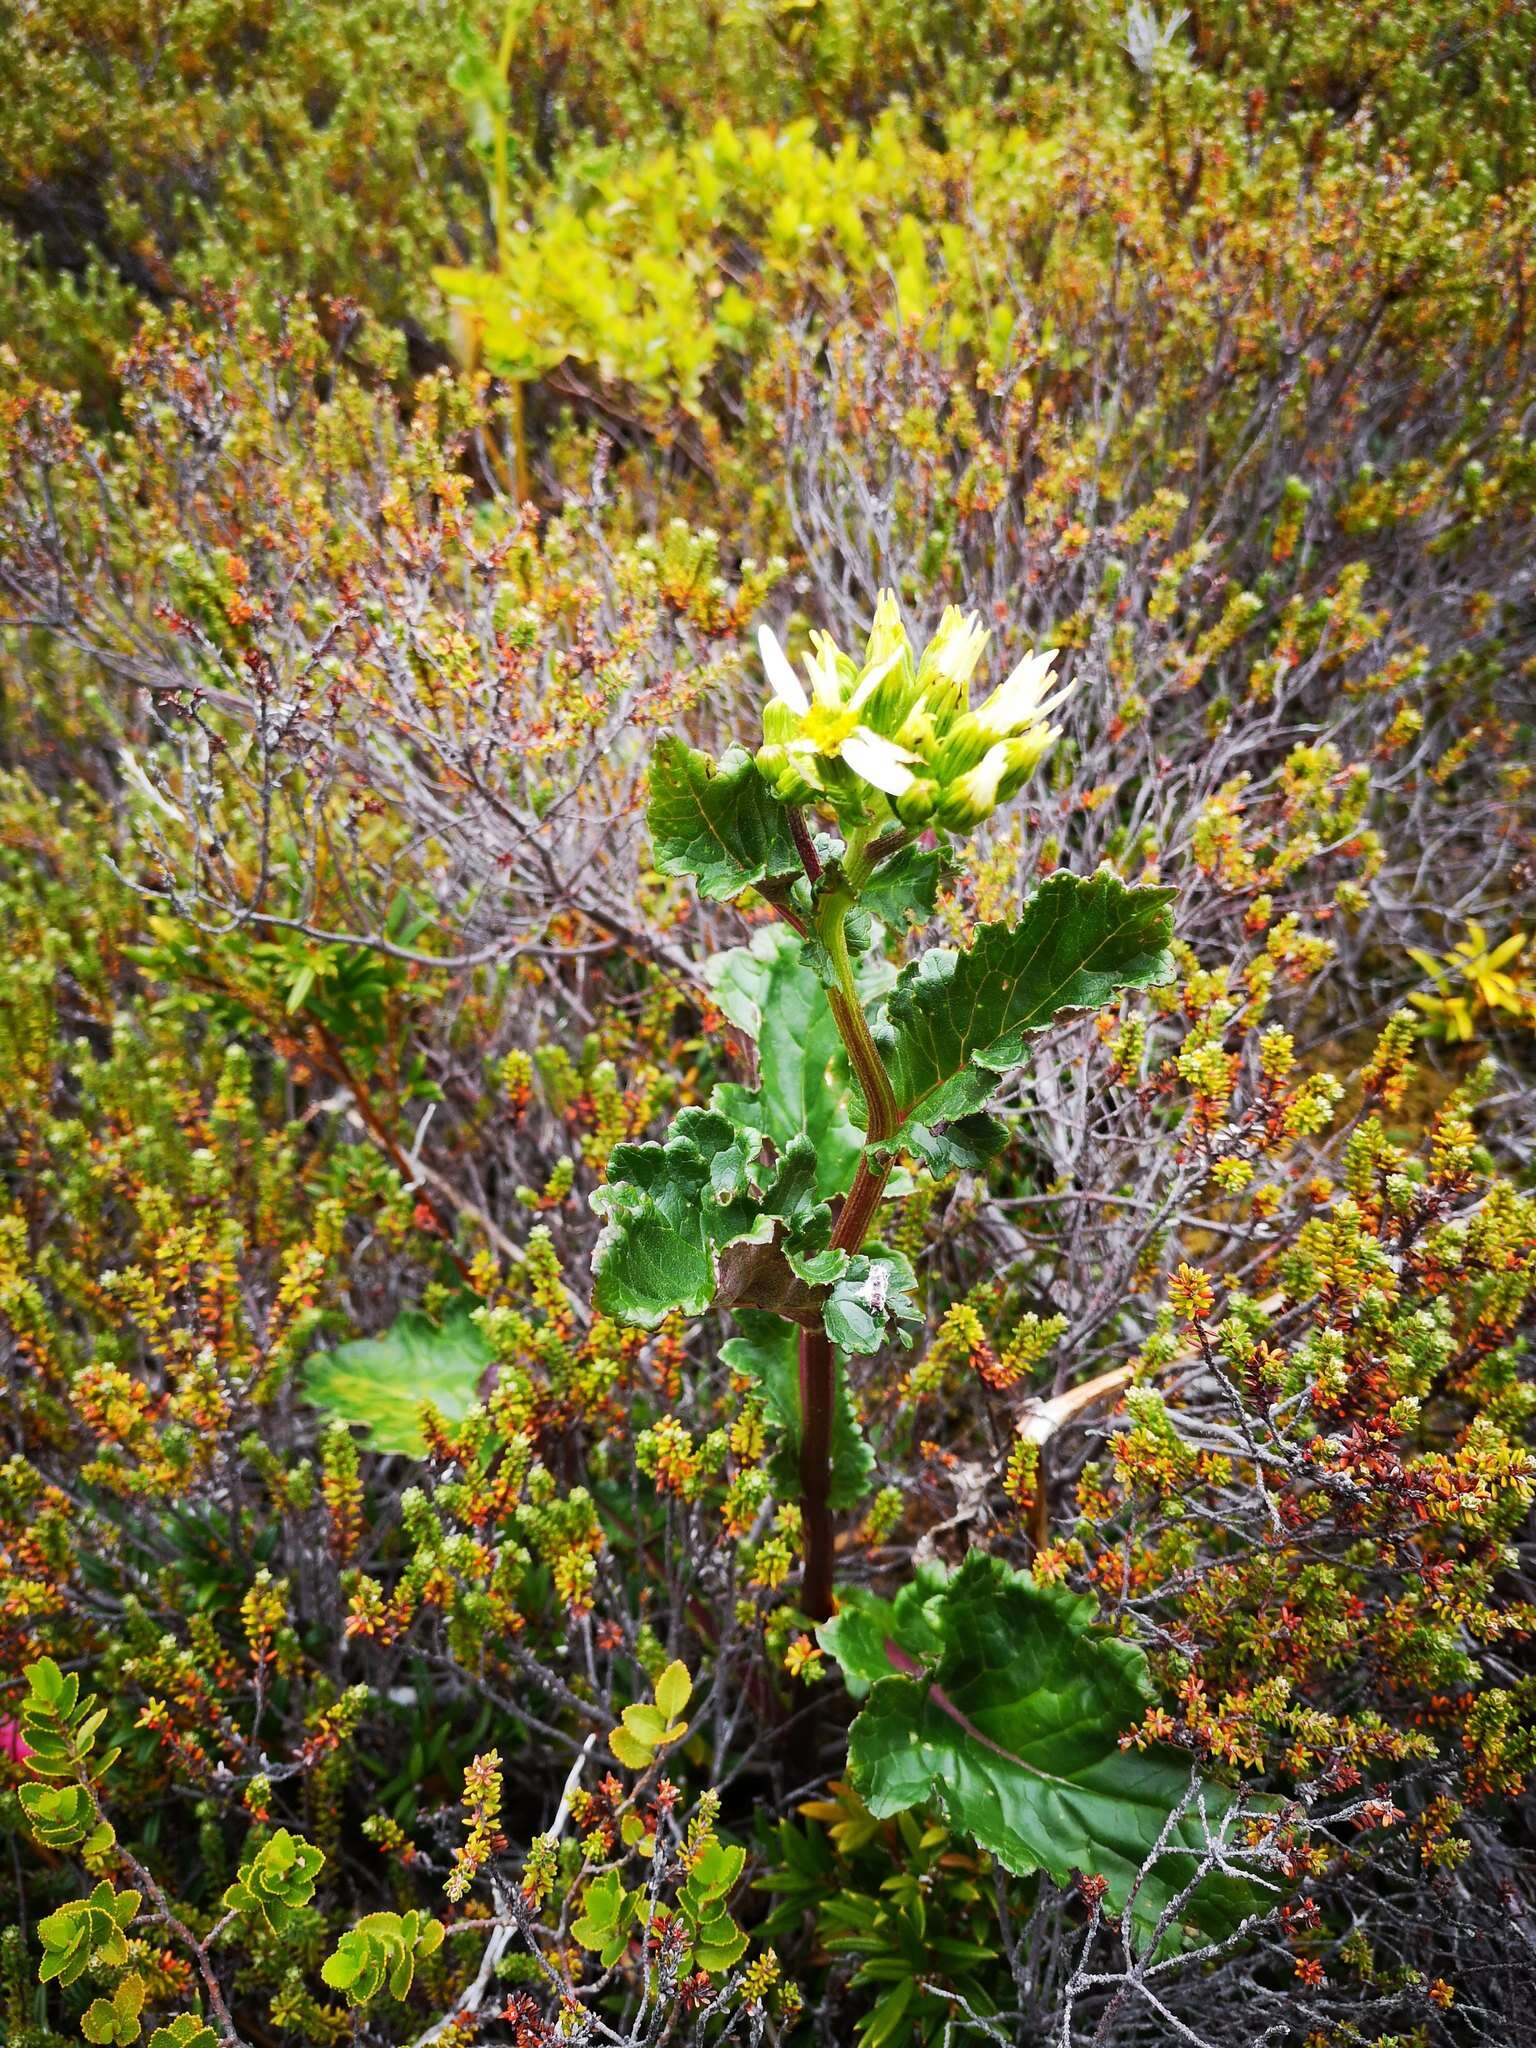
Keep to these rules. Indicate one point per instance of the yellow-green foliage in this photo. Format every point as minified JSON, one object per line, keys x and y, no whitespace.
{"x":323,"y":149}
{"x":1477,"y":984}
{"x":407,"y":416}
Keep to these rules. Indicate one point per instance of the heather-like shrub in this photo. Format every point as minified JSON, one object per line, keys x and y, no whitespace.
{"x":732,"y":1308}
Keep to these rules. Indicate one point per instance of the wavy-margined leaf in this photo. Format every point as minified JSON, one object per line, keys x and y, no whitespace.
{"x":718,"y":823}
{"x":768,"y":1352}
{"x":864,"y":1624}
{"x":381,"y":1382}
{"x":770,"y":991}
{"x":962,"y":1146}
{"x":1004,"y":1705}
{"x":956,"y":1021}
{"x":905,"y":888}
{"x":675,"y":1213}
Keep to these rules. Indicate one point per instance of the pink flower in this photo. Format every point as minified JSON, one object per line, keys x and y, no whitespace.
{"x":12,"y":1742}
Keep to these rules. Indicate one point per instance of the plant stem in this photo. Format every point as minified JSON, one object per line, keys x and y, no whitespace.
{"x":818,"y":1370}
{"x":817,"y":1384}
{"x":853,"y":1028}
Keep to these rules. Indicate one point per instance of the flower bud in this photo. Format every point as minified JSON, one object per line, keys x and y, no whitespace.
{"x":962,"y":747}
{"x":915,"y":805}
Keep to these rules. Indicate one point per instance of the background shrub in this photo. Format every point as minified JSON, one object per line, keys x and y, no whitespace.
{"x":354,"y":557}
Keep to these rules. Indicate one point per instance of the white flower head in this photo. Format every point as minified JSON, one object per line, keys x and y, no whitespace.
{"x":1022,"y":699}
{"x":957,"y":646}
{"x":903,"y":727}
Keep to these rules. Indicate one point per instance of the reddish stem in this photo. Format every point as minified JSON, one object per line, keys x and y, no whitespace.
{"x":818,"y":1392}
{"x":799,"y":831}
{"x":818,"y":1383}
{"x":816,"y":1399}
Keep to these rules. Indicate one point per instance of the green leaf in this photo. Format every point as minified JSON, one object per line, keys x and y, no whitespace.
{"x":717,"y":1942}
{"x":963,"y":1146}
{"x":646,"y":1723}
{"x":115,"y":2020}
{"x":605,"y":1911}
{"x":770,"y":991}
{"x":277,"y":1880}
{"x":382,"y":1949}
{"x":303,"y":982}
{"x":185,"y":2031}
{"x":719,"y":824}
{"x":905,"y":888}
{"x":59,"y":1816}
{"x":883,"y":2023}
{"x":863,"y":1624}
{"x":630,"y":1750}
{"x":86,"y":1931}
{"x":718,"y":1950}
{"x":956,"y":1021}
{"x":674,"y":1689}
{"x":716,"y":1869}
{"x":671,"y":1210}
{"x":1008,"y":1719}
{"x":46,"y":1682}
{"x":382,"y":1382}
{"x":876,"y":1294}
{"x":768,"y":1351}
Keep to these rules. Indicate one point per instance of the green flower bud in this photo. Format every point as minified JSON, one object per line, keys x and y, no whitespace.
{"x":962,"y":748}
{"x":915,"y":806}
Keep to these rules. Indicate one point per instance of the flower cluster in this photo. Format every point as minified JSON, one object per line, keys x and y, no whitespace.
{"x":899,"y":725}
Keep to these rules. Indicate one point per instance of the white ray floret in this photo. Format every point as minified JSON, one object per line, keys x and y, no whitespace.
{"x":782,"y":680}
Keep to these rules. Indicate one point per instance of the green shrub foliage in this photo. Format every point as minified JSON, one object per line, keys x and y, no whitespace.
{"x":767,"y":877}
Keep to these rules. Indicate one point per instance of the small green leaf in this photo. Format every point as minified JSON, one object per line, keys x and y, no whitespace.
{"x":716,"y":1869}
{"x":717,"y":1942}
{"x":382,"y":1382}
{"x":84,"y":1931}
{"x":341,"y":1970}
{"x":46,"y":1681}
{"x":963,"y":1146}
{"x":185,"y":2031}
{"x":298,"y":994}
{"x":905,"y":888}
{"x":674,"y":1689}
{"x":631,"y":1750}
{"x":884,"y":2023}
{"x":875,"y":1296}
{"x":646,"y":1723}
{"x":606,"y":1912}
{"x":719,"y":824}
{"x":720,"y":1952}
{"x":646,"y":1730}
{"x":115,"y":2020}
{"x":59,"y":1816}
{"x":771,"y":992}
{"x":276,"y":1881}
{"x":381,"y":1950}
